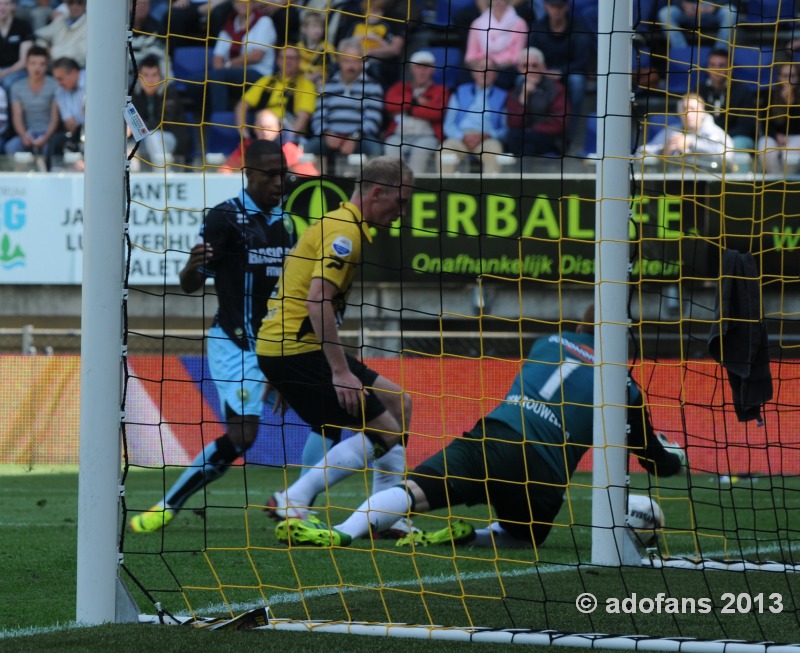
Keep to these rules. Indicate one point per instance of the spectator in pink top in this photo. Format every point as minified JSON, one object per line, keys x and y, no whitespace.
{"x":498,"y":34}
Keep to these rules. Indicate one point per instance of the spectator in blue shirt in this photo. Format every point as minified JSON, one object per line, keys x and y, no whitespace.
{"x":71,"y":101}
{"x":475,"y":120}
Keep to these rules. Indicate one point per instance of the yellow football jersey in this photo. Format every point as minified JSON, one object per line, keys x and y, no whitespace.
{"x":329,"y":249}
{"x":282,"y":97}
{"x":374,"y":34}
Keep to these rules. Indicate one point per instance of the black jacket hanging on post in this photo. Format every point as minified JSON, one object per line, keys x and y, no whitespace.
{"x":738,"y":337}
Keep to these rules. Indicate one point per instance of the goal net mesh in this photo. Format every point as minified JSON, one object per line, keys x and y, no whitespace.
{"x":497,"y":249}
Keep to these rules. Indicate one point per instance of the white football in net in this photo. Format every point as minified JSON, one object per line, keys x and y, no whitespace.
{"x":645,"y":518}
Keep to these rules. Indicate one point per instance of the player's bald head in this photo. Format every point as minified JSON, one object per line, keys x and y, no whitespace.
{"x":586,"y":324}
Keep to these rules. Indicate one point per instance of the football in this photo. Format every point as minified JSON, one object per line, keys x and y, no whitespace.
{"x":644,"y":518}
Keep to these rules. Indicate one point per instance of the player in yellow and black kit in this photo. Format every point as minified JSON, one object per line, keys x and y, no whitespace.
{"x":520,"y":457}
{"x":299,"y":348}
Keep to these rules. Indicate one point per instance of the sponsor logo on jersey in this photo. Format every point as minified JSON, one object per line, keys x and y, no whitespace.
{"x":581,"y":352}
{"x":266,"y":255}
{"x":342,"y":246}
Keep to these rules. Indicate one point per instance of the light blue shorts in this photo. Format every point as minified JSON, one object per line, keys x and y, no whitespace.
{"x":235,"y":373}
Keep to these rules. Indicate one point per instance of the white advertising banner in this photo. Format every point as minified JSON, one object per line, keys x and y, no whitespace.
{"x":41,"y":224}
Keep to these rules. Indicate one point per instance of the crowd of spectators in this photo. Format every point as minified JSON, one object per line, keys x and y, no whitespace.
{"x":42,"y":83}
{"x":365,"y":77}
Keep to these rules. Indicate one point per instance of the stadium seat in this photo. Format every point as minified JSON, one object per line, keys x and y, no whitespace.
{"x":189,"y":63}
{"x":590,"y":136}
{"x":684,"y":67}
{"x":769,"y":11}
{"x":644,"y":15}
{"x":222,"y":134}
{"x":752,"y":65}
{"x":449,"y":66}
{"x":587,"y":11}
{"x":447,"y":9}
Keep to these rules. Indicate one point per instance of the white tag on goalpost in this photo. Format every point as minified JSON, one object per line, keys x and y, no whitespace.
{"x":134,"y":121}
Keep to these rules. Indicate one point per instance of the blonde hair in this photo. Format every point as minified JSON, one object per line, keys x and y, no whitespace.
{"x":692,"y":96}
{"x":386,"y":171}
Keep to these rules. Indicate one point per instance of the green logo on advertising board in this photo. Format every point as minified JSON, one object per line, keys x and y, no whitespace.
{"x":11,"y":255}
{"x":313,"y":199}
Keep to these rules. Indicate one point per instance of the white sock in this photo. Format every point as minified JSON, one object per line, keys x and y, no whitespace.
{"x":344,"y":459}
{"x":496,"y":535}
{"x":313,"y":450}
{"x":378,"y":512}
{"x":388,"y":470}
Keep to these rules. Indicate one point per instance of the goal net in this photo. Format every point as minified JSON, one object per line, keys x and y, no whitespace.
{"x":499,"y":249}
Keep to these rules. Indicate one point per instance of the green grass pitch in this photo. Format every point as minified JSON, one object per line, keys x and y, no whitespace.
{"x":220,"y":557}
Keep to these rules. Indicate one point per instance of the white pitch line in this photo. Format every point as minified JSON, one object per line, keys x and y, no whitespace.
{"x":288,"y":598}
{"x":22,"y":524}
{"x":39,"y":630}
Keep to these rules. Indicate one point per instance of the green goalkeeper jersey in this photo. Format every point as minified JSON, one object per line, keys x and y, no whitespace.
{"x":551,"y":401}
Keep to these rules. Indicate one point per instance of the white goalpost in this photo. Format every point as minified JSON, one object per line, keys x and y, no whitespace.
{"x":101,"y":597}
{"x":611,"y":544}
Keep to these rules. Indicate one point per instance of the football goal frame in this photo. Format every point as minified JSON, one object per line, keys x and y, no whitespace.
{"x":101,"y":595}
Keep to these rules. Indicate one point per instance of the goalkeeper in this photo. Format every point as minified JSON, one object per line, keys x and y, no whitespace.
{"x":519,"y":458}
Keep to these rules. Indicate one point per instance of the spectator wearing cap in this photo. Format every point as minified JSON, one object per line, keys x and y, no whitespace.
{"x":475,"y":120}
{"x":567,"y":45}
{"x":416,"y":108}
{"x":498,"y":34}
{"x":537,"y":109}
